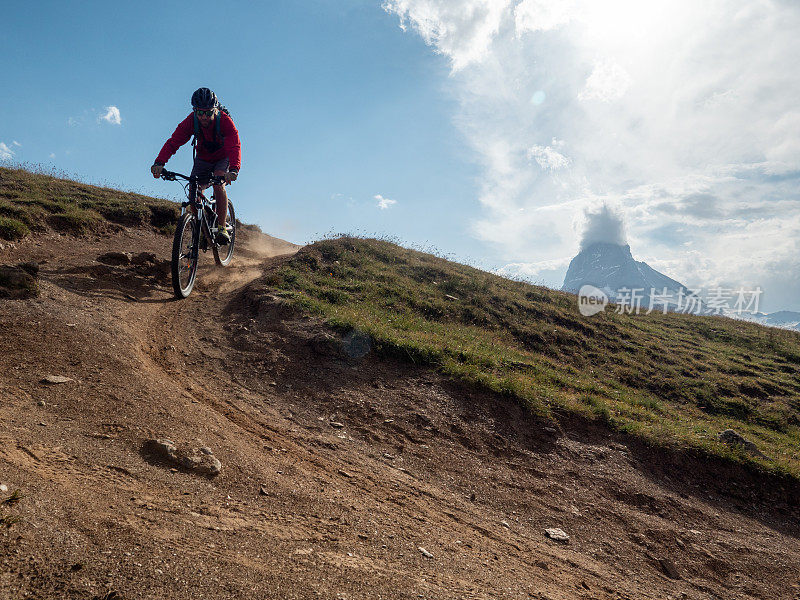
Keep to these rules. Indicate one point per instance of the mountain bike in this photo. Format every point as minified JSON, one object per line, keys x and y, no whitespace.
{"x":196,"y":232}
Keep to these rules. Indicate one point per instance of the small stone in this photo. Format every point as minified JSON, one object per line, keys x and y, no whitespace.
{"x":558,"y":535}
{"x":345,"y":474}
{"x":388,"y":421}
{"x":3,"y":487}
{"x":190,"y":462}
{"x":56,"y":379}
{"x":206,"y":450}
{"x":263,"y":491}
{"x":163,"y":447}
{"x":143,"y":258}
{"x":505,"y":524}
{"x":211,"y":466}
{"x":425,"y":553}
{"x":337,"y":425}
{"x":115,"y":258}
{"x":449,"y":297}
{"x":732,"y":438}
{"x":41,"y":403}
{"x":198,"y":460}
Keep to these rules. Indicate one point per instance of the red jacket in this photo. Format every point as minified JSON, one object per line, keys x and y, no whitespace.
{"x":231,"y":149}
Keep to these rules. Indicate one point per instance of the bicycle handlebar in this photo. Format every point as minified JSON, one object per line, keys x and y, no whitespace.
{"x":173,"y":176}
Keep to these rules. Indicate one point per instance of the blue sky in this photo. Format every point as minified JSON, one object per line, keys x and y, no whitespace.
{"x":496,"y":127}
{"x":335,"y":105}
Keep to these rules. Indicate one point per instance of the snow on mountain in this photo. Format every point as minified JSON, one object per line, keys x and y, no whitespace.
{"x":785,"y":319}
{"x":612,"y":268}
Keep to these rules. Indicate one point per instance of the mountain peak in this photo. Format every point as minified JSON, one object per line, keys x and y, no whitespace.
{"x":612,"y":268}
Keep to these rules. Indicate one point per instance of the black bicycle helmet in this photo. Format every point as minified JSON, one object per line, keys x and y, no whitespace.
{"x":204,"y":98}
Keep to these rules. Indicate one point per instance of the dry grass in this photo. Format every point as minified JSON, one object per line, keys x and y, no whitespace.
{"x":35,"y":202}
{"x":672,"y":379}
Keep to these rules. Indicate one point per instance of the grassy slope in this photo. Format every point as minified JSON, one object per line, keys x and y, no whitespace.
{"x":672,"y":379}
{"x":31,"y":202}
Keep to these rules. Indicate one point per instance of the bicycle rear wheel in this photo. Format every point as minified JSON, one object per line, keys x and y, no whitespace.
{"x":185,"y":255}
{"x":224,"y":254}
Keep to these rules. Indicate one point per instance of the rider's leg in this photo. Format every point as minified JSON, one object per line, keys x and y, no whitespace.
{"x":222,"y":200}
{"x":203,"y":170}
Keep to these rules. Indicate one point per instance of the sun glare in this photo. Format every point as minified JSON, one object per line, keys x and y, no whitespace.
{"x":627,"y":23}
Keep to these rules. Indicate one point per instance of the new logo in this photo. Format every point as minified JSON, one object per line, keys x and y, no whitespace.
{"x":591,"y":300}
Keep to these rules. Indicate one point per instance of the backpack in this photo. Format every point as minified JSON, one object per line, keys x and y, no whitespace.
{"x":219,"y":139}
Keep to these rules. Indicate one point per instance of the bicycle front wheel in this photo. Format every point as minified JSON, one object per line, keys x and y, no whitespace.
{"x":224,"y":254}
{"x":185,"y":255}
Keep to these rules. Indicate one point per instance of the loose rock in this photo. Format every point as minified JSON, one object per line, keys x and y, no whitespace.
{"x":558,"y":535}
{"x":56,"y":379}
{"x":115,"y":258}
{"x":144,"y":258}
{"x":18,"y":282}
{"x":326,"y":345}
{"x":425,"y":553}
{"x":199,"y":460}
{"x":732,"y":438}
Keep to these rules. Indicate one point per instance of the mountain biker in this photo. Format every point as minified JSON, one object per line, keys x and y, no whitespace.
{"x":217,"y":149}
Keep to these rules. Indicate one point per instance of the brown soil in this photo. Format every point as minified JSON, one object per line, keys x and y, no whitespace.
{"x":337,"y":470}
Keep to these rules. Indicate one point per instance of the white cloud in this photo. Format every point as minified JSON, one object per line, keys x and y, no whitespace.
{"x":111,"y":116}
{"x":461,"y":30}
{"x":607,"y":82}
{"x":542,"y":15}
{"x":546,"y":272}
{"x":603,"y":225}
{"x":72,"y":121}
{"x":384,"y":203}
{"x":548,"y":158}
{"x":16,"y":143}
{"x":52,"y":155}
{"x":6,"y":153}
{"x":684,"y":105}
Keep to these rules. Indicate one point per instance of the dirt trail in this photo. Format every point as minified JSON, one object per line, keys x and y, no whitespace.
{"x":337,"y":471}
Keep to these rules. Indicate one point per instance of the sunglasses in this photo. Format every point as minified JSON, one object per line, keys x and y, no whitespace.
{"x":204,"y":113}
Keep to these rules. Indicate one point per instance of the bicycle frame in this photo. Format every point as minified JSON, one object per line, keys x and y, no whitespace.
{"x":200,"y":206}
{"x":202,"y":217}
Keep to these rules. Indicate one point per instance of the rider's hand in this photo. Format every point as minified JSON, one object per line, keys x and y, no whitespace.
{"x":231,"y":176}
{"x":156,"y":170}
